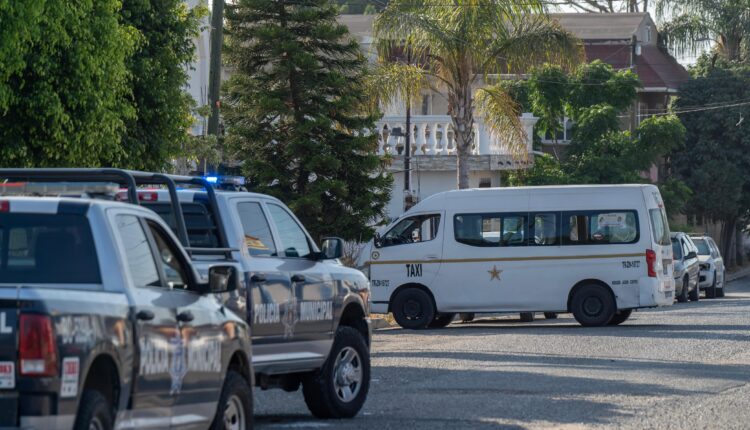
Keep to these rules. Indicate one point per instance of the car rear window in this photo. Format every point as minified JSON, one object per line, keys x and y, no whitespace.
{"x":47,"y":248}
{"x":199,"y":221}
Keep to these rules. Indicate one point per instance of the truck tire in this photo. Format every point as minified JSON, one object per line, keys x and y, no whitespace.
{"x":339,"y":388}
{"x":695,"y":295}
{"x":235,"y":410}
{"x":413,"y":309}
{"x":94,"y":412}
{"x":711,"y":291}
{"x":469,"y":317}
{"x":683,"y":297}
{"x":441,"y":320}
{"x":620,"y":317}
{"x":527,"y":316}
{"x":593,"y":306}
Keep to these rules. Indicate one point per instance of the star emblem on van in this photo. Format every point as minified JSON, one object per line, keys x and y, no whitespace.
{"x":494,"y":273}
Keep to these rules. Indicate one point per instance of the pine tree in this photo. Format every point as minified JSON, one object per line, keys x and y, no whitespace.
{"x":297,"y":114}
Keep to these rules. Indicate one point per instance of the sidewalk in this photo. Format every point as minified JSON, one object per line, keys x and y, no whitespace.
{"x":745,"y":271}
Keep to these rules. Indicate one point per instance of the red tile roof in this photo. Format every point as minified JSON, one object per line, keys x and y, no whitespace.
{"x":655,"y":68}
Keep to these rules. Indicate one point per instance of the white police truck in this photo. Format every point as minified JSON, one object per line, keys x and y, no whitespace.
{"x":105,"y":323}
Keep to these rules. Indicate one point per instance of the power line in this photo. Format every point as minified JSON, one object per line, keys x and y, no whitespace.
{"x":688,"y":110}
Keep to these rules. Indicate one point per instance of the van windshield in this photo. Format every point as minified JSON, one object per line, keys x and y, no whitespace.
{"x":659,"y":226}
{"x":703,"y":248}
{"x":47,"y":248}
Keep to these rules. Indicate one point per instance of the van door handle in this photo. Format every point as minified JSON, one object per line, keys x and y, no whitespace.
{"x":185,"y":316}
{"x":431,"y":257}
{"x":298,"y":278}
{"x":144,"y":315}
{"x":258,"y":278}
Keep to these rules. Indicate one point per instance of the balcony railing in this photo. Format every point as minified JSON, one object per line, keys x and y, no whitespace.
{"x":434,"y":135}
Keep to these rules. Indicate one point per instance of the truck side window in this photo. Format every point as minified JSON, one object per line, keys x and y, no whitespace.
{"x":141,"y":264}
{"x":293,"y":239}
{"x":258,"y":239}
{"x":173,"y":269}
{"x":421,"y":228}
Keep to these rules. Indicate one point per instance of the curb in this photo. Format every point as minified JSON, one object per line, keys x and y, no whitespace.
{"x":378,"y":323}
{"x":738,"y":274}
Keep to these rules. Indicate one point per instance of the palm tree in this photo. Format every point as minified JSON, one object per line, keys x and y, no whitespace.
{"x":457,"y":43}
{"x":697,"y":24}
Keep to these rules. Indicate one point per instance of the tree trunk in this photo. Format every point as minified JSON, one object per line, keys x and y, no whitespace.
{"x":739,"y":246}
{"x":727,"y":242}
{"x":462,"y":116}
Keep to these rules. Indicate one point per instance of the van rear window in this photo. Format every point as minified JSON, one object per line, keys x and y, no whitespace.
{"x":659,"y":226}
{"x":47,"y":248}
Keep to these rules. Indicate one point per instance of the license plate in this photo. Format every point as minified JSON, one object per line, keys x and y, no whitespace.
{"x":7,"y":374}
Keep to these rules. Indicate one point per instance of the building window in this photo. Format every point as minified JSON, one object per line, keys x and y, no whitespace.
{"x":648,"y":33}
{"x":563,"y":136}
{"x":485,"y":183}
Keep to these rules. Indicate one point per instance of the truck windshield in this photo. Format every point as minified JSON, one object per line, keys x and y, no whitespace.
{"x":47,"y":248}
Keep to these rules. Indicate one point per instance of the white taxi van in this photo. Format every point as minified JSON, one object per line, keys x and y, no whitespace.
{"x":597,"y":251}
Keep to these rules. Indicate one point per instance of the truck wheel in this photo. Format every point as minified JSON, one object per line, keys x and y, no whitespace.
{"x":695,"y":295}
{"x":683,"y":297}
{"x":711,"y":291}
{"x":593,"y":306}
{"x":442,"y":320}
{"x":235,"y":409}
{"x":413,"y":309}
{"x":527,"y":316}
{"x":620,"y":317}
{"x":94,"y":412}
{"x":339,"y":388}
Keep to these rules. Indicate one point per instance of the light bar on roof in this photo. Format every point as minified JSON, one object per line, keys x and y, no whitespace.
{"x":57,"y":188}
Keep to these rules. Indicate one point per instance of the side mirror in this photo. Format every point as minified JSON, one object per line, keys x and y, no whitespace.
{"x":377,"y":240}
{"x":332,"y":248}
{"x":692,"y":255}
{"x":222,"y":279}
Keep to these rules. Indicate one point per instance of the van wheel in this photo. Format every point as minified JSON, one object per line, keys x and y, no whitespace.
{"x":235,"y":409}
{"x":683,"y":297}
{"x":94,"y":413}
{"x":620,"y":317}
{"x":550,"y":315}
{"x":527,"y":316}
{"x":711,"y":291}
{"x":413,"y":309}
{"x":593,"y":306}
{"x":339,"y":388}
{"x":442,"y":320}
{"x":695,"y":295}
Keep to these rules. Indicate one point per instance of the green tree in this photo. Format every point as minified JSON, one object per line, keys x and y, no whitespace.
{"x":298,"y":115}
{"x":158,"y":70}
{"x":548,"y":91}
{"x":63,"y":82}
{"x":716,"y":162}
{"x":693,"y":25}
{"x":457,"y":44}
{"x":597,"y":83}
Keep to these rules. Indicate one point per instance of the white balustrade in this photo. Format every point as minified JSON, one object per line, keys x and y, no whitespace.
{"x":434,"y":135}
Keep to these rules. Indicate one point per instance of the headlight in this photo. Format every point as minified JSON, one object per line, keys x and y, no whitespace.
{"x":705,"y":266}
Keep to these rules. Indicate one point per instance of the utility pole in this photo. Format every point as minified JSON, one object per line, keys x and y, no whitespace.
{"x":214,"y":74}
{"x":408,"y":199}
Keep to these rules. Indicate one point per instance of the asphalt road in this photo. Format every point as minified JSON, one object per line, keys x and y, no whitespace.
{"x":683,"y":367}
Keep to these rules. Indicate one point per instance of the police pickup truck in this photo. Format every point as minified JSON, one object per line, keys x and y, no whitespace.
{"x":309,"y":313}
{"x":104,"y":323}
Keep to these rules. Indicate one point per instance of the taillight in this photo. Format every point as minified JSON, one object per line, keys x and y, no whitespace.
{"x":651,"y":263}
{"x":148,"y":196}
{"x":4,"y":206}
{"x":37,"y":352}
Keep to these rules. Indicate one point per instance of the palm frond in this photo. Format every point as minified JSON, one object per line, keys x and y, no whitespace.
{"x":687,"y":34}
{"x":390,"y":83}
{"x":500,"y":113}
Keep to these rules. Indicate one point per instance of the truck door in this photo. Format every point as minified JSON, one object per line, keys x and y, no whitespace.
{"x":312,"y":284}
{"x":156,"y":329}
{"x":196,"y":362}
{"x":409,"y":252}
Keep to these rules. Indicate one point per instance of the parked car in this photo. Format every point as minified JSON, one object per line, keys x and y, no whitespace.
{"x":712,"y":271}
{"x":105,"y":323}
{"x":686,"y":267}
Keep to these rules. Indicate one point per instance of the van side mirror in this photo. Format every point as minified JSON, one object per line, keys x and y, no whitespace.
{"x":332,"y":248}
{"x":377,"y":240}
{"x":691,"y":255}
{"x":222,"y":279}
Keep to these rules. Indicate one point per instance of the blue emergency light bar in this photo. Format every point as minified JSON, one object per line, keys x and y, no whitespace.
{"x":229,"y":180}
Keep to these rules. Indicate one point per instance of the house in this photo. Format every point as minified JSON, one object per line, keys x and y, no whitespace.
{"x":623,"y":40}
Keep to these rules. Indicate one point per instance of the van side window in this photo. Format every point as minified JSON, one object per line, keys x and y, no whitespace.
{"x":258,"y":239}
{"x":545,"y":229}
{"x":600,"y":227}
{"x":415,"y":229}
{"x":490,"y":229}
